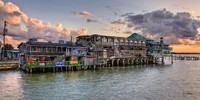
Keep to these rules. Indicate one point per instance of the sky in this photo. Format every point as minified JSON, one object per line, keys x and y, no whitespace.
{"x":178,"y":21}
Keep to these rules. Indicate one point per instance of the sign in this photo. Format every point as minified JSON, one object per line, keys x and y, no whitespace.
{"x":73,"y":62}
{"x":41,"y":64}
{"x":75,"y":51}
{"x":29,"y":59}
{"x":59,"y":64}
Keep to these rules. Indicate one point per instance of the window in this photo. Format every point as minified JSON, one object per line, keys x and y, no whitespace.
{"x":126,"y":42}
{"x":130,"y":42}
{"x":135,"y":41}
{"x":121,"y":42}
{"x":33,"y":48}
{"x":49,"y":49}
{"x":116,"y":42}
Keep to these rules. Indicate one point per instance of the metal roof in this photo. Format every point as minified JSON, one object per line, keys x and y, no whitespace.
{"x":46,"y":44}
{"x":154,"y":43}
{"x":137,"y":36}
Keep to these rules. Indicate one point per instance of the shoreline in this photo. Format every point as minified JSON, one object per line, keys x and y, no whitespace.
{"x":8,"y":65}
{"x":184,"y":53}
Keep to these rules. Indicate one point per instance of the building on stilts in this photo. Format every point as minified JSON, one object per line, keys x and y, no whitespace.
{"x":91,"y":52}
{"x":156,"y":51}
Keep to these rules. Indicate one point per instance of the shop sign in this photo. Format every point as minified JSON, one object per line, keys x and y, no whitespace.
{"x":59,"y":64}
{"x":73,"y":62}
{"x":41,"y":64}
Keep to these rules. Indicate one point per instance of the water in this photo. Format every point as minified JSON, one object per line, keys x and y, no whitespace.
{"x":180,"y":81}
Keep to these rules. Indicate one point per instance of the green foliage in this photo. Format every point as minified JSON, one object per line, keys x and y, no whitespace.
{"x":8,"y":47}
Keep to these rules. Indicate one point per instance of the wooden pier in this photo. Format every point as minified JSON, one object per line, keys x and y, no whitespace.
{"x":94,"y":51}
{"x":108,"y":63}
{"x":8,"y":65}
{"x":195,"y":58}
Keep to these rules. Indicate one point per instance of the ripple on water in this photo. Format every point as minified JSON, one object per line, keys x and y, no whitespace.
{"x":179,"y":81}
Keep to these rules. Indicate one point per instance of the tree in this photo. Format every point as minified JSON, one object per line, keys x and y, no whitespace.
{"x":8,"y":47}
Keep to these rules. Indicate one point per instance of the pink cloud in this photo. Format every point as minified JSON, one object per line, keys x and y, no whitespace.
{"x":84,"y":14}
{"x":33,"y":28}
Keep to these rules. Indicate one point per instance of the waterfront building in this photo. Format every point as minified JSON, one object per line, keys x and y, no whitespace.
{"x":91,"y":51}
{"x":35,"y":54}
{"x":1,"y":46}
{"x":155,"y":50}
{"x":12,"y":54}
{"x":8,"y":54}
{"x":104,"y":49}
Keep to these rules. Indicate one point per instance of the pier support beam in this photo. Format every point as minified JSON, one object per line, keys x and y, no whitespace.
{"x":141,"y":60}
{"x":112,"y":62}
{"x":118,"y":62}
{"x":66,"y":68}
{"x":162,"y":60}
{"x":129,"y":61}
{"x":43,"y":70}
{"x":147,"y":60}
{"x":132,"y":61}
{"x":123,"y":62}
{"x":136,"y":60}
{"x":31,"y":70}
{"x":154,"y":60}
{"x":53,"y":69}
{"x":61,"y":69}
{"x":172,"y":59}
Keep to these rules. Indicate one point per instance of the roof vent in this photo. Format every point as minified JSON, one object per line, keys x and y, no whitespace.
{"x":61,"y":41}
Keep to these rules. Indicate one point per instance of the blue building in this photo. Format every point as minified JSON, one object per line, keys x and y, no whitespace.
{"x":154,"y":49}
{"x":35,"y":54}
{"x":12,"y":54}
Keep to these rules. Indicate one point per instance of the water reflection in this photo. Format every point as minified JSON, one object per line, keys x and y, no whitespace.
{"x":11,"y":85}
{"x":179,"y":81}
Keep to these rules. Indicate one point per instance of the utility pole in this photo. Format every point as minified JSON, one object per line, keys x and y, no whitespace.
{"x":4,"y":39}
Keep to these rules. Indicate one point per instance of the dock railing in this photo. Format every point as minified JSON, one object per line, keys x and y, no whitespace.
{"x":51,"y":64}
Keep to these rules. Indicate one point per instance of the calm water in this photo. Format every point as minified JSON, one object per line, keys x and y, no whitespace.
{"x":180,"y":81}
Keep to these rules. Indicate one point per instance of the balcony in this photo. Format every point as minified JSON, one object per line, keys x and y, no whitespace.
{"x":155,"y":54}
{"x":46,"y":53}
{"x":159,"y":48}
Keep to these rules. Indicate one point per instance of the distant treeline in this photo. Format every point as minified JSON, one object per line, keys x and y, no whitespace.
{"x":184,"y":53}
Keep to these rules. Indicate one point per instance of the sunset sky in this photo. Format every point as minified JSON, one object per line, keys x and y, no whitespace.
{"x":178,"y":21}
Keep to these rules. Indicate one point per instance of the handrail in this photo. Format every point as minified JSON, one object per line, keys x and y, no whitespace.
{"x":51,"y":64}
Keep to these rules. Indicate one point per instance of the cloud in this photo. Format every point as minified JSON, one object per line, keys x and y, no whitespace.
{"x":21,"y":27}
{"x":84,"y":14}
{"x":88,"y":20}
{"x":115,"y":11}
{"x":118,"y":22}
{"x":127,"y":14}
{"x":173,"y":27}
{"x":127,"y":32}
{"x":116,"y":25}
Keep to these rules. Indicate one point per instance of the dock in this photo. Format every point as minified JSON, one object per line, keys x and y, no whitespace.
{"x":9,"y":65}
{"x":195,"y":58}
{"x":66,"y":66}
{"x":91,"y":52}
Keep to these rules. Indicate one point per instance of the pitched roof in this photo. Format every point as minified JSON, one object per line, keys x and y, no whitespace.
{"x":46,"y":44}
{"x":137,"y":36}
{"x":154,"y":43}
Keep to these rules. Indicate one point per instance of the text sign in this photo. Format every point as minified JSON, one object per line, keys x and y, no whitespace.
{"x":59,"y":64}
